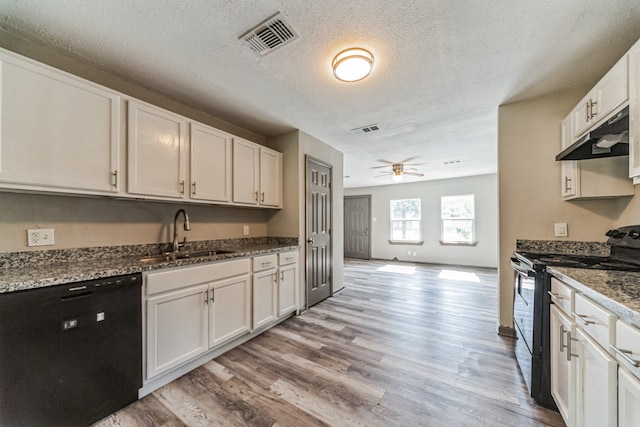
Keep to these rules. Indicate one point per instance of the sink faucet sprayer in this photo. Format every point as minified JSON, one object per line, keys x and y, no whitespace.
{"x":187,"y":227}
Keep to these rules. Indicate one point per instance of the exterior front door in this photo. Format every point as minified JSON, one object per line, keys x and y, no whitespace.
{"x":356,"y":227}
{"x":318,"y":234}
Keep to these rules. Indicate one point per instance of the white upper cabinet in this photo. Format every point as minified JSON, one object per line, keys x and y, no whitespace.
{"x":58,"y":132}
{"x":157,"y":151}
{"x":270,"y":178}
{"x":608,"y":96}
{"x":569,"y":174}
{"x":257,"y":175}
{"x":211,"y":171}
{"x":246,"y":161}
{"x":634,"y":111}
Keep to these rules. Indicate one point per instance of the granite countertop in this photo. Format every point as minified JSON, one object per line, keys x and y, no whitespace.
{"x":617,"y":291}
{"x":36,"y":269}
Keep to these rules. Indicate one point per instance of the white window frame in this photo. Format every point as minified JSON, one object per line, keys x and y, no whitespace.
{"x":419,"y":241}
{"x":472,"y":241}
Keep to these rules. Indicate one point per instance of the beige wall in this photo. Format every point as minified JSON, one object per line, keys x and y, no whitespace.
{"x":291,"y":220}
{"x":85,"y":222}
{"x":529,"y":186}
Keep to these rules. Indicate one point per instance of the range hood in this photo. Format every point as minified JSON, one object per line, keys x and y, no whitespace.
{"x":608,"y":140}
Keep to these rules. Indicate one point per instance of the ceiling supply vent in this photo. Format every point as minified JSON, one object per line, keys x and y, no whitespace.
{"x":451,"y":162}
{"x":270,"y":34}
{"x":365,"y":129}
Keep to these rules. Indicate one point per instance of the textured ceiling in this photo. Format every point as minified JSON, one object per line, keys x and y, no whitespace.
{"x":441,"y":70}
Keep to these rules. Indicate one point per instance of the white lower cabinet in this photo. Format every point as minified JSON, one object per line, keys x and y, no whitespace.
{"x":265,"y":287}
{"x":596,"y":391}
{"x":176,"y":328}
{"x":287,"y":283}
{"x":628,"y":399}
{"x":230,"y":309}
{"x":562,"y":364}
{"x":191,"y":310}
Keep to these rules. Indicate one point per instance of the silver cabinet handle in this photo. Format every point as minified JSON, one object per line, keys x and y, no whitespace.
{"x":581,"y":318}
{"x":262,"y":198}
{"x":282,"y":276}
{"x":206,"y":298}
{"x":193,"y":188}
{"x":592,"y":112}
{"x":182,"y":187}
{"x":256,"y":196}
{"x":554,"y":297}
{"x":567,"y":187}
{"x":275,"y":277}
{"x":213,"y":295}
{"x":114,"y":174}
{"x":586,"y":106}
{"x":569,"y":341}
{"x":624,"y":354}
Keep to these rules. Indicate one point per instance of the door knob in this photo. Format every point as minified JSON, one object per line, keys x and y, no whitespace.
{"x":310,"y":240}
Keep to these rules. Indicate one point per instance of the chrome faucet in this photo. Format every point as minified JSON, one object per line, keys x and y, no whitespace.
{"x":186,"y":226}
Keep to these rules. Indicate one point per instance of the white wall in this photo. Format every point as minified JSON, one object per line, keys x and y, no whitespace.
{"x":484,"y":254}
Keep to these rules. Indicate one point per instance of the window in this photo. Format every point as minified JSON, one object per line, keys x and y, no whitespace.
{"x":458,"y":219}
{"x":405,"y":221}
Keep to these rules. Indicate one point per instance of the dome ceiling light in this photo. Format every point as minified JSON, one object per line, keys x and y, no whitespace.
{"x":352,"y":65}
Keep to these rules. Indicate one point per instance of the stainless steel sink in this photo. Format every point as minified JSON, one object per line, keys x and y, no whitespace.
{"x":172,"y":256}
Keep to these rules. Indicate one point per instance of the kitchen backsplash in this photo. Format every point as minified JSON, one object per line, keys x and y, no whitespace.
{"x":563,"y":247}
{"x":58,"y":256}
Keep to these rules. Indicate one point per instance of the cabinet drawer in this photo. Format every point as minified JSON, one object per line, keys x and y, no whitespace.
{"x":628,"y":343}
{"x":180,"y":277}
{"x":264,"y":262}
{"x":562,"y":295}
{"x":597,"y":322}
{"x":286,"y":258}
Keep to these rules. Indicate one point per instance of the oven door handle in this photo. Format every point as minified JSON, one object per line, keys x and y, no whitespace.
{"x":517,"y":266}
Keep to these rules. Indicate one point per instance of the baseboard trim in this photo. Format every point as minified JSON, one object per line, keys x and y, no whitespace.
{"x":506,"y":331}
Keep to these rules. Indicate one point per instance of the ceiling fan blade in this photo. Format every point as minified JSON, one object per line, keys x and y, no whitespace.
{"x":386,"y":174}
{"x":380,"y":167}
{"x":413,"y":173}
{"x":385,"y":161}
{"x":407,"y":160}
{"x":409,"y":169}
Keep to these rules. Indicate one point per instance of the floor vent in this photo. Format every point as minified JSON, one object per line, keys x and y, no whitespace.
{"x":365,"y":129}
{"x":269,"y":35}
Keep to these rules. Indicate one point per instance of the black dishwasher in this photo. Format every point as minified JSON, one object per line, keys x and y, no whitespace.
{"x":70,"y":354}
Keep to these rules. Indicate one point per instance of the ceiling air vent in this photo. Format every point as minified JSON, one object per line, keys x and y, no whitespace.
{"x":270,"y":34}
{"x":365,"y":129}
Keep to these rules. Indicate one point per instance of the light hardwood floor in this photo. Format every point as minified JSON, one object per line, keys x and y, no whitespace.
{"x":402,"y":345}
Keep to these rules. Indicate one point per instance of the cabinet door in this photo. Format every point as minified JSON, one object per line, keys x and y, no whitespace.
{"x":210,"y":164}
{"x":628,"y":399}
{"x":156,"y":147}
{"x":58,"y":132}
{"x":562,"y":368}
{"x":264,"y":297}
{"x":230,"y":309}
{"x":245,"y":172}
{"x":612,"y":90}
{"x":270,"y":178}
{"x":176,"y":328}
{"x":634,"y":110}
{"x":596,"y":385}
{"x":288,"y":289}
{"x":607,"y":96}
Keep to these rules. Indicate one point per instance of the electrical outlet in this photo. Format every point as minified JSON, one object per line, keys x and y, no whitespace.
{"x":40,"y":237}
{"x":409,"y":253}
{"x":561,"y":229}
{"x":245,"y":230}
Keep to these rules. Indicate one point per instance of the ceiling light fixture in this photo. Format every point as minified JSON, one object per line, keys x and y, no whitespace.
{"x":397,"y":177}
{"x":352,"y":65}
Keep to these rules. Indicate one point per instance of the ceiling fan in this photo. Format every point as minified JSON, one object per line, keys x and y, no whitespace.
{"x":398,"y":169}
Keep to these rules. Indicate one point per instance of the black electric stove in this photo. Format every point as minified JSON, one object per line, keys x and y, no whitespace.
{"x":532,"y":303}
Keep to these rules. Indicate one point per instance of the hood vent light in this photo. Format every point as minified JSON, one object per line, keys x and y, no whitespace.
{"x":365,"y":129}
{"x":269,"y":35}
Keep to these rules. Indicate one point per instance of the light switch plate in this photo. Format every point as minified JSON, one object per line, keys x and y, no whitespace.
{"x":245,"y":230}
{"x":561,"y":229}
{"x":40,"y":237}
